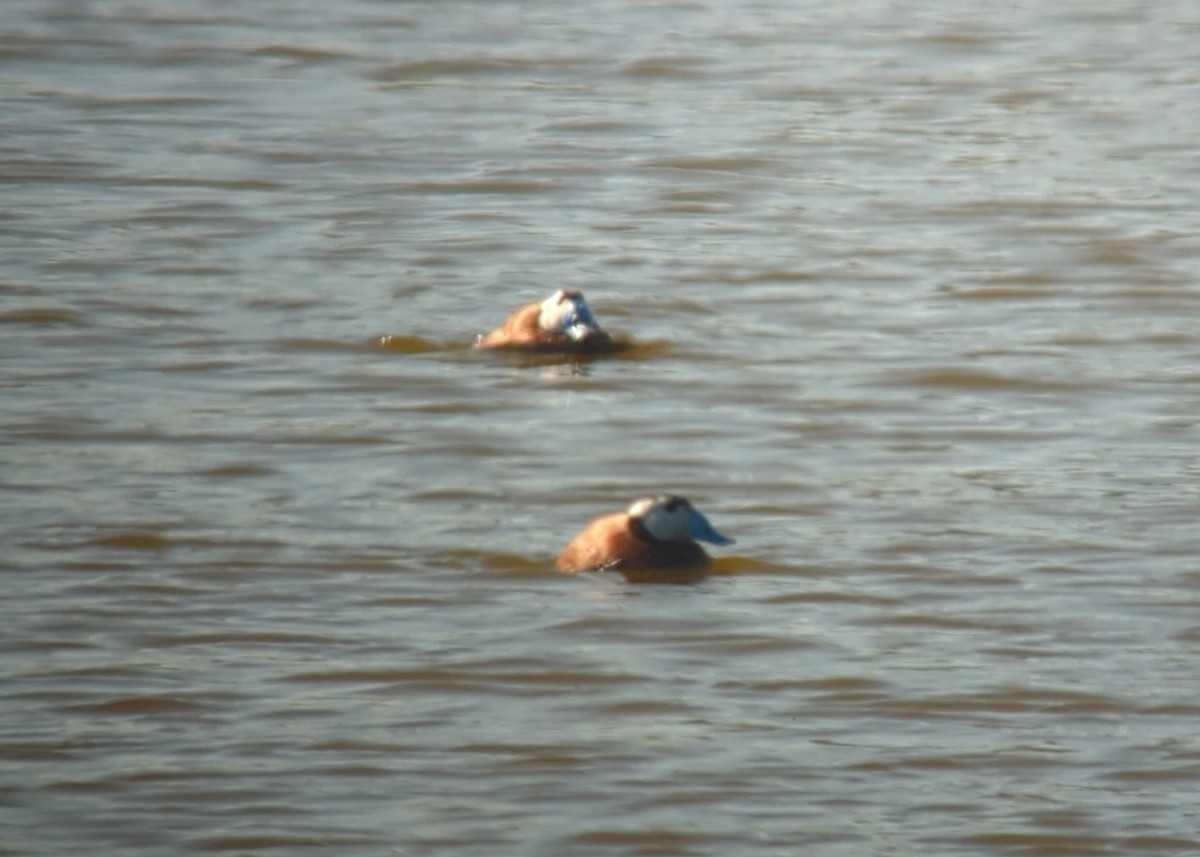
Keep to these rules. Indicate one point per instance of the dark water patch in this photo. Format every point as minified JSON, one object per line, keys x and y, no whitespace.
{"x":294,"y":711}
{"x":1175,"y":709}
{"x":1178,"y":293}
{"x":171,"y":775}
{"x":1165,"y":773}
{"x":682,"y":208}
{"x":660,"y":841}
{"x":103,"y":674}
{"x":238,"y":639}
{"x":732,"y":162}
{"x":466,"y":65}
{"x":137,"y":706}
{"x":1006,"y":760}
{"x":857,"y":689}
{"x":941,"y":621}
{"x":1036,"y":844}
{"x":666,"y":66}
{"x":435,"y":260}
{"x":38,"y":752}
{"x":372,"y":748}
{"x":203,"y":271}
{"x":506,"y":186}
{"x":483,"y":679}
{"x":774,"y":274}
{"x":918,"y":763}
{"x":512,"y":565}
{"x":1145,"y":844}
{"x":699,"y":196}
{"x":955,"y":377}
{"x":573,"y":363}
{"x":190,"y":213}
{"x":957,"y":40}
{"x":1189,"y":635}
{"x":833,"y":597}
{"x":210,"y":182}
{"x":1010,"y":292}
{"x":237,"y":470}
{"x":78,"y":786}
{"x":118,"y":308}
{"x":301,"y":53}
{"x":303,"y":344}
{"x":1110,"y":252}
{"x":284,"y":302}
{"x":743,"y":643}
{"x":589,"y":125}
{"x":49,"y":170}
{"x":406,"y":602}
{"x":340,"y":220}
{"x":382,"y":564}
{"x":135,"y":540}
{"x":447,"y":407}
{"x":1016,"y":699}
{"x":665,"y":576}
{"x":192,"y":54}
{"x":42,"y":317}
{"x":51,"y":644}
{"x":407,"y":344}
{"x":753,"y":565}
{"x":320,"y":839}
{"x":524,"y":759}
{"x":151,"y":101}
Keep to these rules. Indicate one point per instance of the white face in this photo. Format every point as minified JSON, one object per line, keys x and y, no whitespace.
{"x":567,"y":312}
{"x":674,"y":519}
{"x":666,"y":518}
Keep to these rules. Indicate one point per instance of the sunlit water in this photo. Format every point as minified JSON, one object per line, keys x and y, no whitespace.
{"x":915,"y":289}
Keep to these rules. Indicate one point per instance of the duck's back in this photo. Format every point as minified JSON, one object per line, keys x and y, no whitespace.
{"x":520,"y":330}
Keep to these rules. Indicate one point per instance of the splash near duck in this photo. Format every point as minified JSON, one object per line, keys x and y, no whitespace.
{"x":563,"y":322}
{"x":654,"y":533}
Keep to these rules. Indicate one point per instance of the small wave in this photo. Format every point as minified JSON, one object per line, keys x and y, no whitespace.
{"x":237,"y":470}
{"x":977,"y":379}
{"x":43,"y":317}
{"x":301,"y":53}
{"x":286,"y":843}
{"x":485,"y":185}
{"x":137,"y":540}
{"x":458,"y":66}
{"x":666,"y":66}
{"x":406,"y":344}
{"x":135,"y":705}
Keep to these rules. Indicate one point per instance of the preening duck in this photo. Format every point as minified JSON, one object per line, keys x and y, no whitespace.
{"x":562,"y":322}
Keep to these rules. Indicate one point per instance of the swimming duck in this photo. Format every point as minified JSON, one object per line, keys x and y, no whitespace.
{"x":653,"y":533}
{"x":562,"y":322}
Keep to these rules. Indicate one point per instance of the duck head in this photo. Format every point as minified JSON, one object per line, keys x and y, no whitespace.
{"x":668,"y":518}
{"x":567,"y":313}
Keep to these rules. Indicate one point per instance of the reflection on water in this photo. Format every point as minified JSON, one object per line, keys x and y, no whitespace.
{"x":909,"y":297}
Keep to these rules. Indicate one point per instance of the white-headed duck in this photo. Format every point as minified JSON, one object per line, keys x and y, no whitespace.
{"x":653,"y":533}
{"x":562,"y":322}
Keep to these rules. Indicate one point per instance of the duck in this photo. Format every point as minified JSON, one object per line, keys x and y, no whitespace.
{"x":562,"y":322}
{"x":658,"y":532}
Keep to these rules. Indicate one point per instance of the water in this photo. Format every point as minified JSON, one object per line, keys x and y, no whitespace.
{"x":914,"y":289}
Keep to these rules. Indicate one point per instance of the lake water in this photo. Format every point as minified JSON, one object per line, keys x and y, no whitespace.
{"x":915,"y":288}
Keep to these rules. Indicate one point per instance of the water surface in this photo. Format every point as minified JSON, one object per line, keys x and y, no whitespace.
{"x":915,"y":289}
